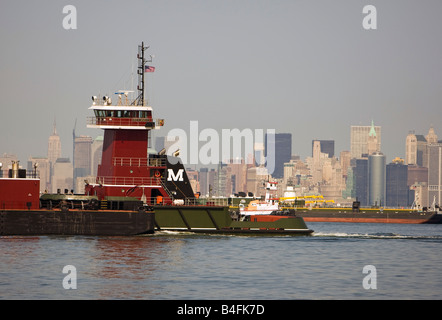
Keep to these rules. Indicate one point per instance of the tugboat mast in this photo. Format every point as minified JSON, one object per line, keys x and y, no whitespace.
{"x":141,"y":70}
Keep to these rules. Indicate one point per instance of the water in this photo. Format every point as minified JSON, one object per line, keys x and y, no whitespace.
{"x":168,"y":265}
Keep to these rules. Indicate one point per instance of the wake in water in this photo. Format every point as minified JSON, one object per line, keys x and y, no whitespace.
{"x":375,"y":236}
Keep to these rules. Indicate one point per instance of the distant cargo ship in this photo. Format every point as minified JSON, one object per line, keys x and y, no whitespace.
{"x":356,"y":213}
{"x":369,"y":215}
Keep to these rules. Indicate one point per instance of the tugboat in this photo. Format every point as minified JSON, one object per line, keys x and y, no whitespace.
{"x":137,"y":190}
{"x":129,"y":168}
{"x":262,"y":207}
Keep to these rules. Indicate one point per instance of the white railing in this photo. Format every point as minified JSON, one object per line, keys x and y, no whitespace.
{"x":164,"y":201}
{"x":138,"y":162}
{"x":130,"y":181}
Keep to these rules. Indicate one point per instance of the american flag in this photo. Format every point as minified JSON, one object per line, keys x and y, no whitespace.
{"x":149,"y":69}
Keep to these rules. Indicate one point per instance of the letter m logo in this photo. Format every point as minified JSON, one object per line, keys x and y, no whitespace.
{"x":175,"y":177}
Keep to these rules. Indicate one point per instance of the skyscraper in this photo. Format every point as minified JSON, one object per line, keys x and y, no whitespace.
{"x":415,"y":148}
{"x":372,"y":140}
{"x":282,"y":154}
{"x":62,"y":177}
{"x":431,"y":137}
{"x":435,"y":173}
{"x":326,"y":146}
{"x":96,"y":153}
{"x":54,"y":146}
{"x":396,"y":190}
{"x":359,"y":137}
{"x":376,"y":179}
{"x":82,"y":157}
{"x":39,"y":167}
{"x":360,"y":179}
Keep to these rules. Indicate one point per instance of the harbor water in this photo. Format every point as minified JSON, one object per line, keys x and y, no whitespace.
{"x":404,"y":259}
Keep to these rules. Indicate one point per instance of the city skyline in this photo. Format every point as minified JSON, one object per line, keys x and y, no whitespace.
{"x":309,"y":69}
{"x":366,"y":177}
{"x":55,"y":149}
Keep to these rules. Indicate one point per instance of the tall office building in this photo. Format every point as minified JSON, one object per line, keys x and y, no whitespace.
{"x":372,"y":141}
{"x":82,"y":156}
{"x":435,"y":173}
{"x":376,"y":179}
{"x":415,"y":148}
{"x":431,"y":137}
{"x":203,"y":180}
{"x":62,"y":178}
{"x":325,"y":146}
{"x":396,"y":190}
{"x":238,"y":171}
{"x":417,"y":175}
{"x":39,"y":167}
{"x":54,"y":146}
{"x":350,"y":185}
{"x":345,"y":158}
{"x":96,"y":153}
{"x":282,"y":152}
{"x":256,"y":178}
{"x":359,"y":140}
{"x":360,"y":180}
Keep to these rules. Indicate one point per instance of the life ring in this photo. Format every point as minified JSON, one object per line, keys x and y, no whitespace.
{"x":157,"y":174}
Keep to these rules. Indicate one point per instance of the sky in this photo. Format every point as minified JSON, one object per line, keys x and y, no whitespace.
{"x":304,"y":67}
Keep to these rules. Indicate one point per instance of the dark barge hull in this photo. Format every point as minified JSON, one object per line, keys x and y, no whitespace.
{"x":369,"y":216}
{"x":217,"y":220}
{"x":76,"y":222}
{"x":256,"y":232}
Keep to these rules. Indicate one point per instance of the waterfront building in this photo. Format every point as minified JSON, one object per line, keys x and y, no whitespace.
{"x":419,"y":196}
{"x":397,"y":188}
{"x":360,"y":176}
{"x":435,"y":173}
{"x":376,"y":179}
{"x":416,"y":175}
{"x":359,"y":139}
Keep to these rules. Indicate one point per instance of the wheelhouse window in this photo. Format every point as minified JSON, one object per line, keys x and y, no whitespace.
{"x":143,"y":114}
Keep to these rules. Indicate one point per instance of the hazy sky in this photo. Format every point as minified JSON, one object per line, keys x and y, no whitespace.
{"x":304,"y":67}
